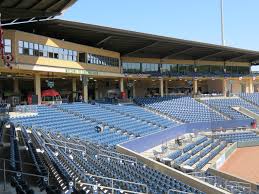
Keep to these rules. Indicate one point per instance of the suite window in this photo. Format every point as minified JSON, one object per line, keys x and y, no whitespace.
{"x":25,"y":48}
{"x":70,"y":55}
{"x":82,"y":57}
{"x":185,"y":69}
{"x":60,"y":53}
{"x":7,"y":46}
{"x":56,"y":53}
{"x":40,"y":50}
{"x":31,"y":49}
{"x":45,"y":51}
{"x":169,"y":68}
{"x":203,"y":68}
{"x":50,"y":52}
{"x":74,"y":56}
{"x":243,"y":70}
{"x":65,"y":54}
{"x":102,"y":60}
{"x":149,"y":67}
{"x":36,"y":50}
{"x":232,"y":69}
{"x":20,"y":43}
{"x":216,"y":69}
{"x":131,"y":67}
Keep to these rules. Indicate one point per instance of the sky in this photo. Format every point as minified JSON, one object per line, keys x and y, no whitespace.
{"x":197,"y":20}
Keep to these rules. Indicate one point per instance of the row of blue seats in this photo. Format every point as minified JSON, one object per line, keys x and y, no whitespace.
{"x":113,"y":119}
{"x":53,"y":119}
{"x":235,"y":137}
{"x":197,"y":151}
{"x":136,"y":111}
{"x":74,"y":163}
{"x":225,"y":105}
{"x":184,"y":108}
{"x":211,"y":155}
{"x":251,"y":97}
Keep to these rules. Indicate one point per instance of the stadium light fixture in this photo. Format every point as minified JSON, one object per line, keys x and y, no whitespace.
{"x":222,"y":22}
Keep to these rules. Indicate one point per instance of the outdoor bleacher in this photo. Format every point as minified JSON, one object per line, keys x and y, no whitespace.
{"x":125,"y":123}
{"x":237,"y":136}
{"x":225,"y":105}
{"x":251,"y":97}
{"x":53,"y":119}
{"x":182,"y":108}
{"x":83,"y":167}
{"x":197,"y":153}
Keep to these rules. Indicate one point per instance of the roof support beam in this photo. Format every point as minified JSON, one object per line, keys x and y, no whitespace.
{"x":35,"y":4}
{"x":103,"y":40}
{"x":17,"y":3}
{"x":139,"y":49}
{"x":235,"y":58}
{"x":177,"y":53}
{"x":210,"y":55}
{"x":52,"y":5}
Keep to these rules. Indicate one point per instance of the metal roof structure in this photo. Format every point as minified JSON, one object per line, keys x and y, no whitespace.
{"x":14,"y":10}
{"x":136,"y":44}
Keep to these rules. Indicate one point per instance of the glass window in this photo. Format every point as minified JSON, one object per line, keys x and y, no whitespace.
{"x":20,"y":47}
{"x":65,"y":54}
{"x":185,"y":69}
{"x":61,"y":53}
{"x":243,"y":70}
{"x":149,"y":67}
{"x":36,"y":50}
{"x":74,"y":56}
{"x":82,"y":57}
{"x":45,"y":51}
{"x":50,"y":52}
{"x":131,"y":67}
{"x":7,"y":46}
{"x":216,"y":69}
{"x":70,"y":55}
{"x":25,"y":48}
{"x":56,"y":51}
{"x":40,"y":50}
{"x":203,"y":68}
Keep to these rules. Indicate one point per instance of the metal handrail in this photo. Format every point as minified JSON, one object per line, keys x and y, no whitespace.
{"x":20,"y":172}
{"x":227,"y":183}
{"x":112,"y":182}
{"x":177,"y":191}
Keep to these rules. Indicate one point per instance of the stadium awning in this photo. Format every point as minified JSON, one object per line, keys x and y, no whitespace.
{"x":135,"y":44}
{"x":27,"y":9}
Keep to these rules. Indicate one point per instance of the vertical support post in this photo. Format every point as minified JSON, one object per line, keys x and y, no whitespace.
{"x":195,"y":86}
{"x":251,"y":85}
{"x":224,"y":87}
{"x":222,"y":22}
{"x":161,"y":87}
{"x":121,"y":85}
{"x":74,"y":89}
{"x":37,"y":87}
{"x":85,"y":88}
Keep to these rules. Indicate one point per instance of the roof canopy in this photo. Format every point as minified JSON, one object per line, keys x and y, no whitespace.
{"x":26,"y":9}
{"x":135,"y":44}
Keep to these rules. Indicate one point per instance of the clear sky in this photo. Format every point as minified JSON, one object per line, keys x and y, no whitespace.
{"x":186,"y":19}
